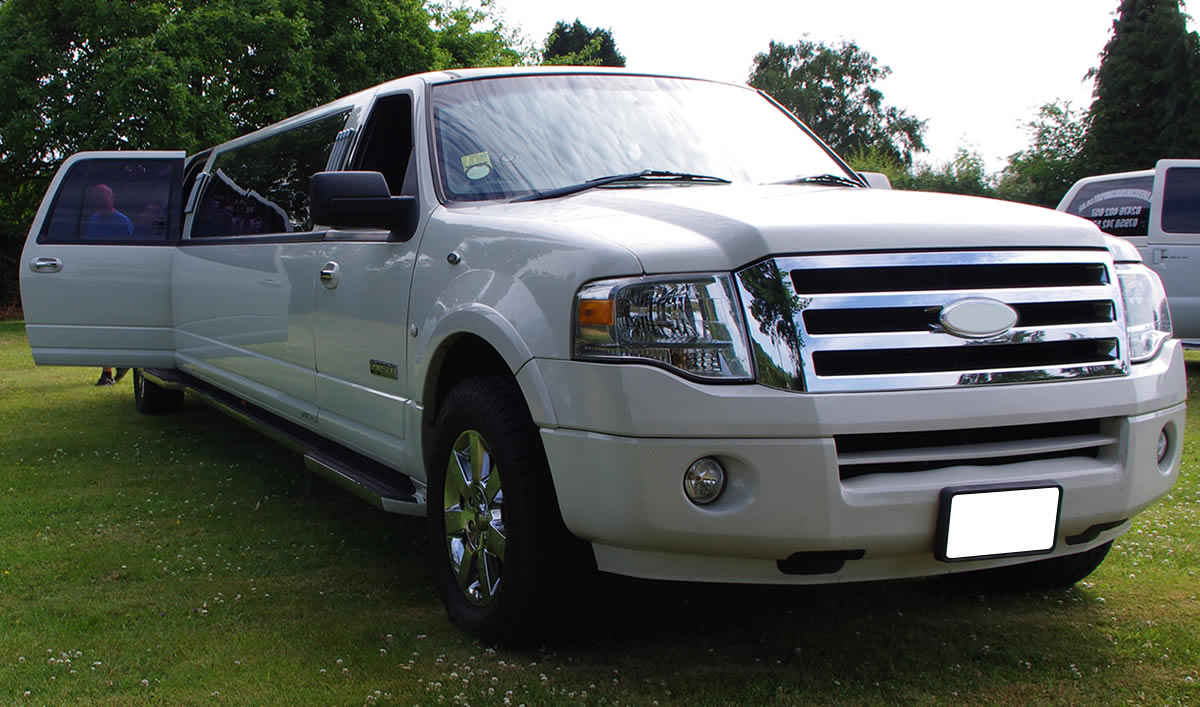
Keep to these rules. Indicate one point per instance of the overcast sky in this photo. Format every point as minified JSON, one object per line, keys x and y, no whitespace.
{"x":976,"y":71}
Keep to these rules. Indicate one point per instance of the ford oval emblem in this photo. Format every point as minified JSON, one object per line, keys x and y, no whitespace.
{"x":977,"y":318}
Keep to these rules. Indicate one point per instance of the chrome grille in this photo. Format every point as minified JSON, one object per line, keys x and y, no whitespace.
{"x":836,"y":323}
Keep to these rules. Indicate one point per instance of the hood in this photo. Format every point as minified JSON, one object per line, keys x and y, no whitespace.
{"x":709,"y":227}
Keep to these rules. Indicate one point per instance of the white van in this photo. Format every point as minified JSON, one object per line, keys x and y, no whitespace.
{"x":1158,"y":210}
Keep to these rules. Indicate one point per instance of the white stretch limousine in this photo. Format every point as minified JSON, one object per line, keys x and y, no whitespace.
{"x":588,"y":319}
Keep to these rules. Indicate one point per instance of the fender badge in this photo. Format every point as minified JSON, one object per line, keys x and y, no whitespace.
{"x":386,"y":369}
{"x":977,"y":318}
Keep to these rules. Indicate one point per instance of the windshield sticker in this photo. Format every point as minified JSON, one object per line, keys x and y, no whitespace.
{"x":477,"y":166}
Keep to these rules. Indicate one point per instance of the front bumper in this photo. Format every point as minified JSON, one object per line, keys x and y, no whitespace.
{"x":618,"y":439}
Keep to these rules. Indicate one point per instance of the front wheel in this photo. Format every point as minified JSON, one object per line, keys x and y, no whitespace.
{"x":504,"y":563}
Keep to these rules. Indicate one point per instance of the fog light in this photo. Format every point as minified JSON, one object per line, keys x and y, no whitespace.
{"x":704,"y":481}
{"x":1164,"y":446}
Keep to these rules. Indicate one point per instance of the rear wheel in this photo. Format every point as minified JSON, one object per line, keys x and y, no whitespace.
{"x":503,"y":561}
{"x":153,"y":399}
{"x":1056,"y":572}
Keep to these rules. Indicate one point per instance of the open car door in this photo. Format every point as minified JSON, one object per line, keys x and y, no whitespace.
{"x":1175,"y":242}
{"x":96,"y":268}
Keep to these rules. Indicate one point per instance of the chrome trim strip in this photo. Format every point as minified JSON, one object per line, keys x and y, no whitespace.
{"x":341,"y":146}
{"x":950,"y":257}
{"x":938,"y":339}
{"x":936,"y":298}
{"x":954,"y":379}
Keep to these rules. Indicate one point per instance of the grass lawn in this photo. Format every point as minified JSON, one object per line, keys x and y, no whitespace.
{"x":186,"y":559}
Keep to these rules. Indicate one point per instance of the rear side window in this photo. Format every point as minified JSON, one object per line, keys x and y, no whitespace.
{"x":1181,"y":200}
{"x":262,"y":187}
{"x":1118,"y":206}
{"x":115,"y":200}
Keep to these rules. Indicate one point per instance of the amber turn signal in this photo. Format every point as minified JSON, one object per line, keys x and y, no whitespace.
{"x":596,"y":312}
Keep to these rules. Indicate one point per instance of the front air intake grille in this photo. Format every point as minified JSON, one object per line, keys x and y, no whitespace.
{"x":947,"y":277}
{"x":874,"y":321}
{"x":867,"y":362}
{"x":904,"y":452}
{"x":882,"y":319}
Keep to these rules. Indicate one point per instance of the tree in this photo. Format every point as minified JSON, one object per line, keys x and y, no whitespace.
{"x":577,"y":45}
{"x":832,"y":90}
{"x":160,"y":74}
{"x":1042,"y":173}
{"x":1147,"y":94}
{"x":964,"y":174}
{"x":474,"y":37}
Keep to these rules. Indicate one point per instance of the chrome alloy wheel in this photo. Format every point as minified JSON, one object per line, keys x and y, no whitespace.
{"x":473,"y":508}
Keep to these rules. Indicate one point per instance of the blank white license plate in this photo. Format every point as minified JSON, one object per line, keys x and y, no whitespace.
{"x":976,"y":523}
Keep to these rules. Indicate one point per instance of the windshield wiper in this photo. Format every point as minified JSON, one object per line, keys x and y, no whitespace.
{"x":650,"y":176}
{"x":832,"y":179}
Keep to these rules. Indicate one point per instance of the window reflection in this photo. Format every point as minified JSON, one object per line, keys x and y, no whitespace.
{"x":506,"y":137}
{"x":115,"y":200}
{"x":262,"y":187}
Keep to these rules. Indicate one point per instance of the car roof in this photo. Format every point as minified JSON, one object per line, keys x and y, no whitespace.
{"x":1117,"y":175}
{"x":444,"y":76}
{"x":466,"y":74}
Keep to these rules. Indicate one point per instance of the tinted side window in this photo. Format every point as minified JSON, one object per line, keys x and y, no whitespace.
{"x":1118,"y":206}
{"x":262,"y":187}
{"x":107,"y":200}
{"x":1181,"y":200}
{"x":387,"y":144}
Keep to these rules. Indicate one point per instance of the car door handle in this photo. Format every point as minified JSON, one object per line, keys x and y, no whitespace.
{"x":331,"y":272}
{"x":45,"y":265}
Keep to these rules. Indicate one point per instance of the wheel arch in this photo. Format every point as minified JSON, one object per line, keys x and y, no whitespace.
{"x":486,"y":348}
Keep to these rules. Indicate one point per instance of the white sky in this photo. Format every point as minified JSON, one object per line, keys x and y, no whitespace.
{"x":976,"y":71}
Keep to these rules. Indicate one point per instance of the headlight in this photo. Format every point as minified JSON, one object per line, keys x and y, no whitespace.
{"x":1147,"y":318}
{"x":689,"y":323}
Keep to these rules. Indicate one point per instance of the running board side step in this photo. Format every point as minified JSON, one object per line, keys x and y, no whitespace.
{"x":368,"y":487}
{"x":377,"y":484}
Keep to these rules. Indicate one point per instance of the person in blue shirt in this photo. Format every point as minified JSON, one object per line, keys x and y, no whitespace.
{"x":106,"y":221}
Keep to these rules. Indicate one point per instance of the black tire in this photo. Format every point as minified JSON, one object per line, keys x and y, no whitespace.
{"x":1040,"y":575}
{"x":505,"y":563}
{"x":153,"y":399}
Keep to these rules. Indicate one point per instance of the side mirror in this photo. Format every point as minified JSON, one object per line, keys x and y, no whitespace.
{"x":359,"y":200}
{"x":876,"y":180}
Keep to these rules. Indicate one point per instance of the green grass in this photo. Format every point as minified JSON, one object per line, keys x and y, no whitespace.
{"x":186,"y":559}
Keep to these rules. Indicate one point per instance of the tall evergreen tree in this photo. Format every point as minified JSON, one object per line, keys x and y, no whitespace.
{"x":1147,"y":95}
{"x":578,"y":45}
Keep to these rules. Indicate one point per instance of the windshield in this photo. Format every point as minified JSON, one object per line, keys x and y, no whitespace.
{"x":509,"y":137}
